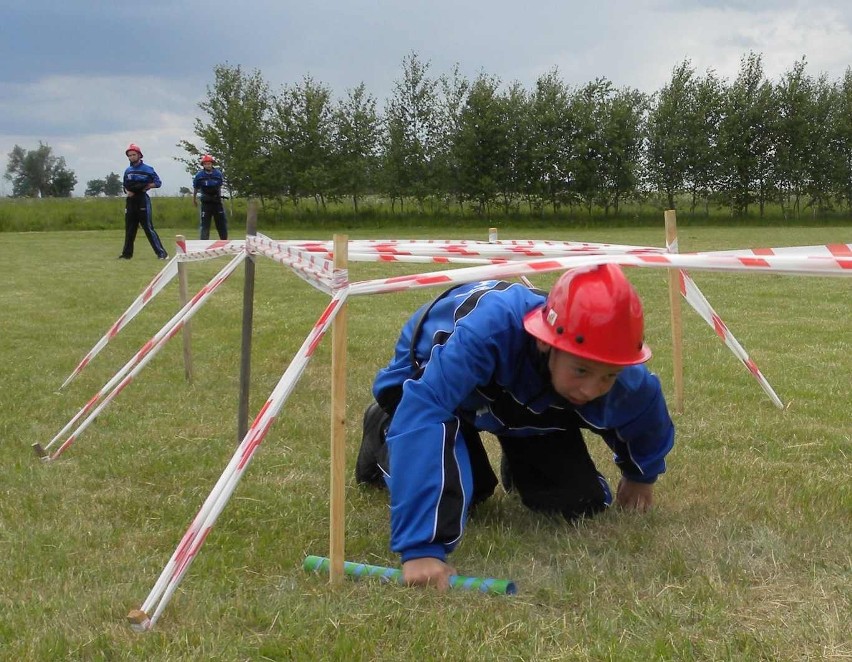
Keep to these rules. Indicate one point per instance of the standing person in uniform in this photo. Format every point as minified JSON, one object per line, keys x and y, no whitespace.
{"x":139,"y":178}
{"x":533,"y":370}
{"x":209,"y":182}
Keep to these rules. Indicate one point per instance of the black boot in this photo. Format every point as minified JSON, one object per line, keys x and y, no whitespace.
{"x":373,"y":451}
{"x":505,"y":473}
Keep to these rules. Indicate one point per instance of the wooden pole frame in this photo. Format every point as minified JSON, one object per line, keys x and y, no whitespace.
{"x":248,"y":320}
{"x":337,"y":504}
{"x":187,"y":327}
{"x":674,"y":303}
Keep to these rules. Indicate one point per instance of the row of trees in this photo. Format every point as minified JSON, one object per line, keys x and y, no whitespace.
{"x":38,"y":173}
{"x":110,"y":186}
{"x":449,"y":140}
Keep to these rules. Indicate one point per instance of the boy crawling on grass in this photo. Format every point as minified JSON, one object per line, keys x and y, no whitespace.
{"x":533,"y":370}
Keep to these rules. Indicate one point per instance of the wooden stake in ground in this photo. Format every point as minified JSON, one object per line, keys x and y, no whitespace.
{"x":248,"y":318}
{"x":187,"y":332}
{"x":338,"y":423}
{"x":674,"y":302}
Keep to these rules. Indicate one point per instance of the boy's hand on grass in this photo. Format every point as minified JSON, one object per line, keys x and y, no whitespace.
{"x":635,"y":496}
{"x":427,"y":571}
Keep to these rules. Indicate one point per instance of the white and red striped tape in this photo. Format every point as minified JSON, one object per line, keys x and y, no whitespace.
{"x":311,"y":267}
{"x":800,"y":265}
{"x":318,"y":270}
{"x":826,"y":250}
{"x":194,"y":537}
{"x":128,"y":372}
{"x":190,"y":250}
{"x":509,"y":250}
{"x":158,"y":283}
{"x":697,"y":300}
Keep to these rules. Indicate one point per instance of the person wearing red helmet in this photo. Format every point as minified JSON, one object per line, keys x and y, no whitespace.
{"x":139,"y":178}
{"x":533,"y":370}
{"x":209,"y":181}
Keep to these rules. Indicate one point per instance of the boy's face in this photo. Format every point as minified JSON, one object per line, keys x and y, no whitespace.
{"x":580,"y":380}
{"x":133,"y":156}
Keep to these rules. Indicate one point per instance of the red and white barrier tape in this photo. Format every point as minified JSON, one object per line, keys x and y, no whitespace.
{"x":158,"y":283}
{"x":698,"y":301}
{"x":799,"y":265}
{"x":128,"y":372}
{"x":194,"y":537}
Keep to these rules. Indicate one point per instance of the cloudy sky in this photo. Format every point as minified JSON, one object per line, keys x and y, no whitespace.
{"x":89,"y":76}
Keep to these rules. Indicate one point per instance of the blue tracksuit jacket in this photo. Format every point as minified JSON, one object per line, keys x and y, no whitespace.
{"x":136,"y":177}
{"x":209,"y":184}
{"x":475,"y":361}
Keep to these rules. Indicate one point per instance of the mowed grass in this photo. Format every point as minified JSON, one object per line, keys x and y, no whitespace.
{"x":747,"y":555}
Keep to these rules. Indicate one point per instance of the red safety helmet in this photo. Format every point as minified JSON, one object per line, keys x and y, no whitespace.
{"x":133,"y":147}
{"x":593,"y":313}
{"x":207,"y":159}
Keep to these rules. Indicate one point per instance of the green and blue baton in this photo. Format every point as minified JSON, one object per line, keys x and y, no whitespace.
{"x":357,"y":570}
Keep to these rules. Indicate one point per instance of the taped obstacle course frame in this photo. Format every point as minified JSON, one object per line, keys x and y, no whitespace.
{"x":324,"y":265}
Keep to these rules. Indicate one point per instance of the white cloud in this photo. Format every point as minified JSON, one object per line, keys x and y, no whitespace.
{"x":780,"y":37}
{"x":90,"y":122}
{"x":87,"y":82}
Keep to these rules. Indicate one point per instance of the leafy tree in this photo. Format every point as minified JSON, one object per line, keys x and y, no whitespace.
{"x":821,"y":156}
{"x":794,"y":95}
{"x":841,"y":138}
{"x":552,"y":136}
{"x":94,"y":187}
{"x":38,"y":173}
{"x":703,"y":161}
{"x":62,"y":180}
{"x":589,"y":162}
{"x":237,"y":106}
{"x":303,"y":133}
{"x":454,"y":90}
{"x":113,"y":185}
{"x":623,"y":128}
{"x":670,"y":131}
{"x":745,"y":137}
{"x":357,"y":130}
{"x":480,"y":148}
{"x":514,"y":176}
{"x":412,"y":134}
{"x":110,"y":186}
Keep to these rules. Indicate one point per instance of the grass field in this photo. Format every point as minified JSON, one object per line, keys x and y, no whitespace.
{"x":747,"y":555}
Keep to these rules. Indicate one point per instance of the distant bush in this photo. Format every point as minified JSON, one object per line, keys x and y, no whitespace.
{"x":58,"y":214}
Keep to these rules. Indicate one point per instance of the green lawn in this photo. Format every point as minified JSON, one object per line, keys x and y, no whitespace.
{"x":748,"y":554}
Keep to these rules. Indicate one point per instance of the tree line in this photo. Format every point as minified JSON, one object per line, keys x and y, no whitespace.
{"x":38,"y":173}
{"x":699,"y":142}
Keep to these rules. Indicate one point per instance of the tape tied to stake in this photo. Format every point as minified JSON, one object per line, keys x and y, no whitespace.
{"x":480,"y":584}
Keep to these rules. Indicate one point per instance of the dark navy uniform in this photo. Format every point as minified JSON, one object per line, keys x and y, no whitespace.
{"x":209,"y":186}
{"x":137,"y":208}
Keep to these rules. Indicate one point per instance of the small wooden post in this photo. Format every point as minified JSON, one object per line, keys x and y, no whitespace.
{"x":674,"y":302}
{"x":187,"y":330}
{"x":338,"y":425}
{"x":248,"y":317}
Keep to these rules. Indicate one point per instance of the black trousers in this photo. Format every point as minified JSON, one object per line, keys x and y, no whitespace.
{"x":214,"y":211}
{"x":552,"y":473}
{"x":137,"y":211}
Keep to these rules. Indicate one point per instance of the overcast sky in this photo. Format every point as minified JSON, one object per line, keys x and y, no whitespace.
{"x":89,"y":77}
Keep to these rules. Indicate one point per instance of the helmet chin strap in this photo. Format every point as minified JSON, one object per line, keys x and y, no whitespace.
{"x":541,"y":362}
